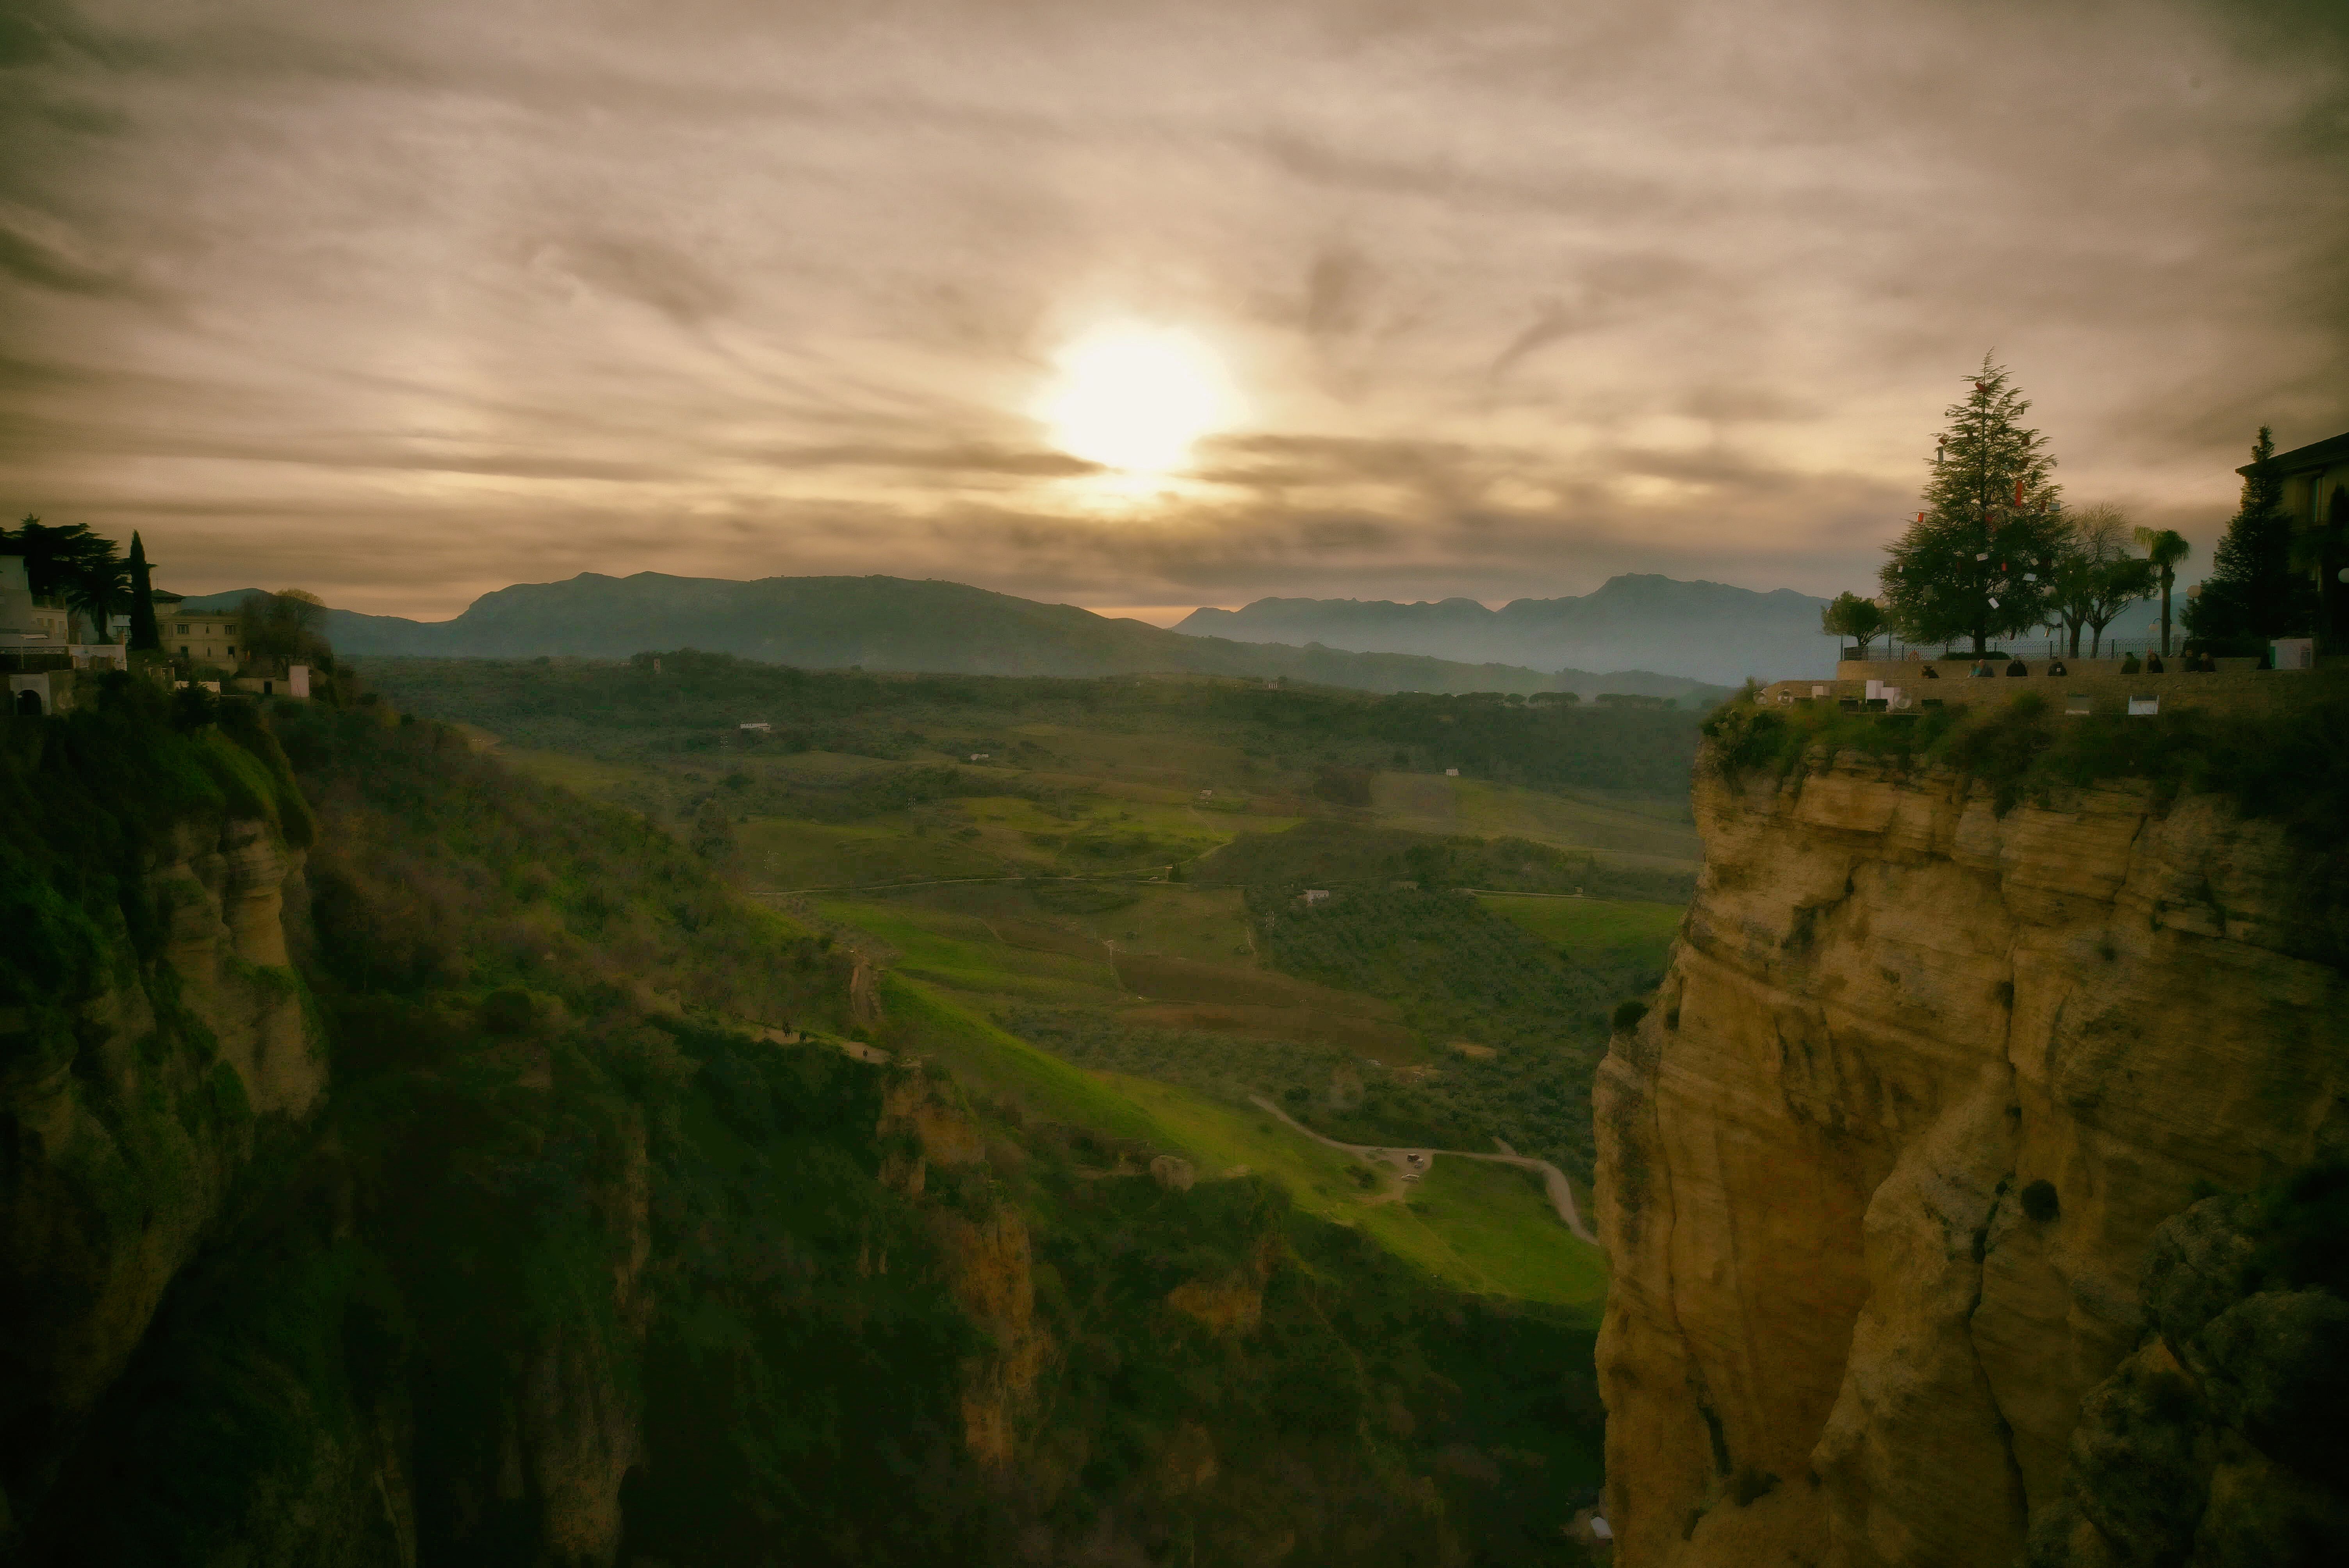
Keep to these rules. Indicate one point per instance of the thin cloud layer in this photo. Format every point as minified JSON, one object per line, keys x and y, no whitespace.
{"x":409,"y":301}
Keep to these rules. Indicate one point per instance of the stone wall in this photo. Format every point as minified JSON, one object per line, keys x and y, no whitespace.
{"x":2237,"y":684}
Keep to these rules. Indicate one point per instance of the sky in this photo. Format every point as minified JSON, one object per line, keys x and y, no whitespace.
{"x":1140,"y":306}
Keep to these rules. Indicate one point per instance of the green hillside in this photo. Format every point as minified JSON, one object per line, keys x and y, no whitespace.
{"x":610,"y":1227}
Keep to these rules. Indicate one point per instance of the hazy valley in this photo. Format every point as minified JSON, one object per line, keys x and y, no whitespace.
{"x":894,"y":624}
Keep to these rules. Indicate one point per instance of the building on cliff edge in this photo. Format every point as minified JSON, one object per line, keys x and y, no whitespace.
{"x":37,"y":652}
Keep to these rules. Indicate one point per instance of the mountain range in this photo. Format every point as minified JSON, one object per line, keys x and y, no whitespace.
{"x":898,"y":623}
{"x":1710,"y":632}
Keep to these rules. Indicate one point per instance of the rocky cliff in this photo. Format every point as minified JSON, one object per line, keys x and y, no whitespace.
{"x":1880,"y":1165}
{"x":150,"y":1039}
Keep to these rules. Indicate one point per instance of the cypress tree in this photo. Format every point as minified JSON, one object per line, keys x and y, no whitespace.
{"x":2253,"y":593}
{"x":1976,"y":562}
{"x":144,"y":636}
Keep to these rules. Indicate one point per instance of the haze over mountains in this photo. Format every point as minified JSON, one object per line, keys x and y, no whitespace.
{"x":897,"y":624}
{"x":1705,"y":631}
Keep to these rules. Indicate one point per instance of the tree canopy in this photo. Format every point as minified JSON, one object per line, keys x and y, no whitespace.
{"x":144,"y":636}
{"x":1849,"y":615}
{"x":2095,"y":577}
{"x":70,"y":563}
{"x":1975,"y":563}
{"x":2252,"y":592}
{"x":288,"y":626}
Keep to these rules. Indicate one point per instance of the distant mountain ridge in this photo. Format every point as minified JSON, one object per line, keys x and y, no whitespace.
{"x":901,"y":624}
{"x":1710,"y":632}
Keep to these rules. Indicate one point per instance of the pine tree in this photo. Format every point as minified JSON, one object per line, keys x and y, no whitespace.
{"x":1976,"y":562}
{"x":2253,"y":593}
{"x":144,"y":636}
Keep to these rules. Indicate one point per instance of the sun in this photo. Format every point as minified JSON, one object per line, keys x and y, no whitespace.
{"x":1136,"y":397}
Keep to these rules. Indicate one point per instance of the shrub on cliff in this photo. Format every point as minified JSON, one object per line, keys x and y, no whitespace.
{"x":2286,"y":761}
{"x":89,"y":799}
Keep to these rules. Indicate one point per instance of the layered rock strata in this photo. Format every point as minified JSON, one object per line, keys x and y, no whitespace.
{"x":1878,"y":1169}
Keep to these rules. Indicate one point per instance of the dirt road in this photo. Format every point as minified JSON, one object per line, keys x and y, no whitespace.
{"x":1554,"y":1183}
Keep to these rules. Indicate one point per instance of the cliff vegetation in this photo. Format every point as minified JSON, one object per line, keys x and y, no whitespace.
{"x":408,"y":1162}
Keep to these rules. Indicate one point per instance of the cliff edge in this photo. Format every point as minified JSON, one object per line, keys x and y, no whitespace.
{"x":1880,"y":1166}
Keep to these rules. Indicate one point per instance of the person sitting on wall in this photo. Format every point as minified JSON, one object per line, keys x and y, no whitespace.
{"x":2055,"y":667}
{"x":1930,"y":673}
{"x":2129,"y":666}
{"x":1981,"y":668}
{"x":2017,"y":667}
{"x":2153,"y":665}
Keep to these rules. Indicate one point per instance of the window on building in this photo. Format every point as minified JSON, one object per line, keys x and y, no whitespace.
{"x":184,"y":631}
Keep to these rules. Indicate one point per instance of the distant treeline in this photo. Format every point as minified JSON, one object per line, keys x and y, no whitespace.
{"x":1343,"y":855}
{"x":689,"y":701}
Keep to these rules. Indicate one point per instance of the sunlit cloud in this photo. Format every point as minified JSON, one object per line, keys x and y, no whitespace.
{"x":1140,"y":305}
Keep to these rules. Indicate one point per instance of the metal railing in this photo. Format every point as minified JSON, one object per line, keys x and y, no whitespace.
{"x":30,"y":662}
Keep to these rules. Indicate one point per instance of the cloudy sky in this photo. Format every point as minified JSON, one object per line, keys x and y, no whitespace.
{"x":1139,"y":304}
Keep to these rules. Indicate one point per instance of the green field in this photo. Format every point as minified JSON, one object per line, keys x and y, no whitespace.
{"x":1481,"y":1227}
{"x":1592,"y":930}
{"x":1476,"y":1227}
{"x":1645,"y":831}
{"x":961,"y":951}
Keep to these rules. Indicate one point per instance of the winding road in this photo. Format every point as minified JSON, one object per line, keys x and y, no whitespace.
{"x":1554,"y":1183}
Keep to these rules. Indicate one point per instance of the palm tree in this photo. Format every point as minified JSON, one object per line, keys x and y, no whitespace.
{"x":98,"y":583}
{"x":2165,"y":547}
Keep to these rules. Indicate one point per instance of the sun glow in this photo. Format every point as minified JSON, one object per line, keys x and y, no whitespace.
{"x":1136,"y":399}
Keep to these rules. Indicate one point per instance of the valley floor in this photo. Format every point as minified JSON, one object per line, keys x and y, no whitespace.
{"x":1077,"y":909}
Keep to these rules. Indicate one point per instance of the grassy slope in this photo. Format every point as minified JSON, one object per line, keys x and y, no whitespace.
{"x":1480,"y":1228}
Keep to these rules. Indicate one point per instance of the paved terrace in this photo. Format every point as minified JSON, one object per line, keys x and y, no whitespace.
{"x":2088,"y":686}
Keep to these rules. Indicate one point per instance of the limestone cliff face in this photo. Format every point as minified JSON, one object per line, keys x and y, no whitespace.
{"x":984,"y":1245}
{"x":125,"y":1115}
{"x":1878,"y":1169}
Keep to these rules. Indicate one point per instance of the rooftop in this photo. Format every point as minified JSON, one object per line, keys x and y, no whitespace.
{"x":2315,"y":455}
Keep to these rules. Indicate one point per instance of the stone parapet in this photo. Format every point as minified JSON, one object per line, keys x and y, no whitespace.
{"x":2087,"y":686}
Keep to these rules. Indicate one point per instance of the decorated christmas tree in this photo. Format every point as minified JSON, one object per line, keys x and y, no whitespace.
{"x":1975,"y":563}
